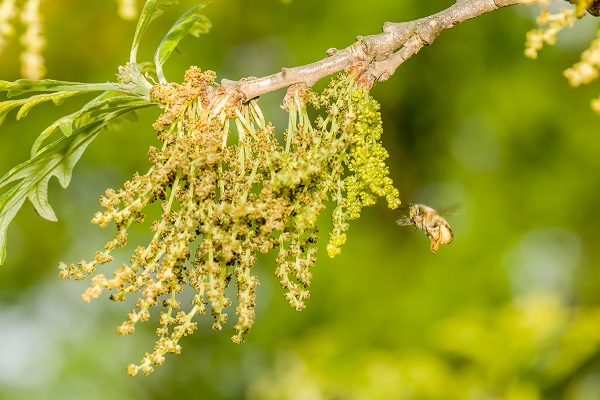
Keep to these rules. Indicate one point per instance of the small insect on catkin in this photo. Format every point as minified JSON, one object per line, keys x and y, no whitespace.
{"x":427,"y":219}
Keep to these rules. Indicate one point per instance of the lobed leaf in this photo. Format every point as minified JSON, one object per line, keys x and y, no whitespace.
{"x":63,"y":90}
{"x":56,"y":159}
{"x":193,"y":23}
{"x":29,"y":103}
{"x":10,"y":205}
{"x":33,"y":101}
{"x":96,"y":109}
{"x":22,"y":86}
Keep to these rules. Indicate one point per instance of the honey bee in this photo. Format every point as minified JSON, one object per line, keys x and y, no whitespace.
{"x":427,"y":219}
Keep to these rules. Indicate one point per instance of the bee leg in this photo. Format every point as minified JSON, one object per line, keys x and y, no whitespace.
{"x":434,"y":235}
{"x":435,"y":244}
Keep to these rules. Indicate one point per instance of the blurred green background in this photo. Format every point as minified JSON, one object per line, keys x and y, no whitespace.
{"x":509,"y":310}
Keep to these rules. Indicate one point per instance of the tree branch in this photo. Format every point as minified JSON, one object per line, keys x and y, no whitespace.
{"x":377,"y":56}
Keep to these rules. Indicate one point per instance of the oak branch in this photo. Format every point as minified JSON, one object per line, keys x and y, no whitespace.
{"x":377,"y":56}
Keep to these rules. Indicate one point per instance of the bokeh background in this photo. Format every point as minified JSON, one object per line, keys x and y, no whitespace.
{"x":509,"y":310}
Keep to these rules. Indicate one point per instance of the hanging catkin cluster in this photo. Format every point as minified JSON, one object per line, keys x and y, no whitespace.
{"x":229,"y":190}
{"x":551,"y":24}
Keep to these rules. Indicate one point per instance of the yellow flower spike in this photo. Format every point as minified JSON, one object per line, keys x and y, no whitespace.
{"x":236,"y":198}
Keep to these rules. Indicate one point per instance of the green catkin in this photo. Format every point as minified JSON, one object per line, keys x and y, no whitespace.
{"x":236,"y":201}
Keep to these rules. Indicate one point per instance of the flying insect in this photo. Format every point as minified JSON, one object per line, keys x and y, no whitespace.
{"x":429,"y":221}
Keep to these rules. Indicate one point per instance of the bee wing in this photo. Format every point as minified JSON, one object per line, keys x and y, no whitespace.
{"x":451,"y":211}
{"x":404,"y":220}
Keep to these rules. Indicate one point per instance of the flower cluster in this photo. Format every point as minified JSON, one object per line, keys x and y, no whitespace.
{"x":8,"y":10}
{"x":33,"y":41}
{"x":551,"y":24}
{"x":32,"y":38}
{"x":229,"y":190}
{"x":128,"y":9}
{"x":587,"y":70}
{"x":584,"y":71}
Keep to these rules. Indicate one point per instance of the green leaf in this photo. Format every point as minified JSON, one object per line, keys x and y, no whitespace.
{"x":63,"y":90}
{"x":96,"y":109}
{"x":152,"y":10}
{"x":29,"y":103}
{"x":10,"y":204}
{"x":57,"y":159}
{"x":22,"y":86}
{"x":193,"y":23}
{"x":56,"y":98}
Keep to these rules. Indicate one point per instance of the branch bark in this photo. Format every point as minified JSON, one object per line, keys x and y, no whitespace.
{"x":377,"y":55}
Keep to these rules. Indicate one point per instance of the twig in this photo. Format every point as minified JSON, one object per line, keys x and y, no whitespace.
{"x":377,"y":55}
